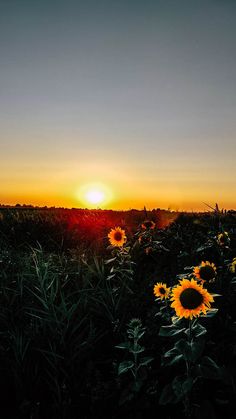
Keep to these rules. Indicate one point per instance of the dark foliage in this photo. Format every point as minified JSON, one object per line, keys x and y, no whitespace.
{"x":67,"y":300}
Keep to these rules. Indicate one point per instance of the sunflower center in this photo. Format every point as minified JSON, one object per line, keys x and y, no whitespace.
{"x":162,"y":290}
{"x":191,"y":298}
{"x":207,"y":272}
{"x":118,"y":236}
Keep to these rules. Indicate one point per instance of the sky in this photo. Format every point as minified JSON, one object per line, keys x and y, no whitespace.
{"x":134,"y":98}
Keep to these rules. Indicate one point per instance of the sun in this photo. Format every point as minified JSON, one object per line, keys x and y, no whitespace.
{"x":94,"y":195}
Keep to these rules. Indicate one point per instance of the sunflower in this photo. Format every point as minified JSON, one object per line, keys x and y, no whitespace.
{"x":206,"y":271}
{"x":161,"y":291}
{"x":148,"y":225}
{"x":117,"y":236}
{"x":223,"y":239}
{"x":190,"y":299}
{"x":233,"y":266}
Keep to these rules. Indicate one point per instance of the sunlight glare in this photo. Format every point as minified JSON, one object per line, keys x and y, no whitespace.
{"x":94,"y":194}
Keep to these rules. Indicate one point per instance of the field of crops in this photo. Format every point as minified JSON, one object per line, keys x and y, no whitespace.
{"x":117,"y":314}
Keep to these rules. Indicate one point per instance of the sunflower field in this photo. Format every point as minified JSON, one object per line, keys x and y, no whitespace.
{"x":117,"y":314}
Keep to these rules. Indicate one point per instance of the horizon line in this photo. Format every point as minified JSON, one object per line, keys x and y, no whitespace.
{"x":31,"y":206}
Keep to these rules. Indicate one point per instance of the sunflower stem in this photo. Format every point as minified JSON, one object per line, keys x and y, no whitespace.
{"x":188,"y":373}
{"x":190,"y":330}
{"x":167,"y":310}
{"x":188,"y":363}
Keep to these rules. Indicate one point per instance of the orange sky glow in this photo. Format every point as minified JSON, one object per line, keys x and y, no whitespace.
{"x":138,"y":98}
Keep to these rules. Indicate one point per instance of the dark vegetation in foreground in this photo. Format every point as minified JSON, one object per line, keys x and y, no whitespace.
{"x":67,"y":300}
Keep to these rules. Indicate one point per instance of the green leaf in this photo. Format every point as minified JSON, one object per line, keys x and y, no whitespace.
{"x":172,"y":357}
{"x":209,"y":369}
{"x":210,"y":313}
{"x":125,"y":366}
{"x":111,"y":276}
{"x":205,"y":247}
{"x":141,"y":333}
{"x":174,"y":360}
{"x":109,"y":261}
{"x":197,"y":348}
{"x":168,"y":395}
{"x":190,"y":350}
{"x":177,"y":322}
{"x":170,"y":331}
{"x":126,"y":395}
{"x":198,"y":330}
{"x":184,"y":348}
{"x":145,"y":360}
{"x":124,"y":345}
{"x":172,"y":352}
{"x":182,"y":386}
{"x":177,"y":390}
{"x":137,"y":349}
{"x":137,"y":386}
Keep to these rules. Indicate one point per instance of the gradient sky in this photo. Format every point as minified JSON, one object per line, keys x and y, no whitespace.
{"x":139,"y":96}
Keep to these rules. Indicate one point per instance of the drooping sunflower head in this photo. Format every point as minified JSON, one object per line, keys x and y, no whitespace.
{"x":223,"y":239}
{"x":233,"y":266}
{"x":206,"y":271}
{"x":161,"y":291}
{"x":117,"y":237}
{"x":190,"y":299}
{"x":148,"y":225}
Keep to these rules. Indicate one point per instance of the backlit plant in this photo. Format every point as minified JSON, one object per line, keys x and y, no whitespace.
{"x":136,"y":361}
{"x":190,"y":301}
{"x":121,"y":264}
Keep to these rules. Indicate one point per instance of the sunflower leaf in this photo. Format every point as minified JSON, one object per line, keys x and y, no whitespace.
{"x":197,"y":348}
{"x":123,"y":345}
{"x":211,"y":312}
{"x":125,"y":366}
{"x":184,"y":347}
{"x":191,"y":350}
{"x":172,"y":352}
{"x":198,"y":330}
{"x":182,"y":386}
{"x":170,"y":330}
{"x":137,"y":349}
{"x":209,"y":369}
{"x":174,"y":360}
{"x":168,"y":395}
{"x":145,"y":360}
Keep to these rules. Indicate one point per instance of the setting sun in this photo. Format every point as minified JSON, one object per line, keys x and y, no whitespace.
{"x":95,"y":194}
